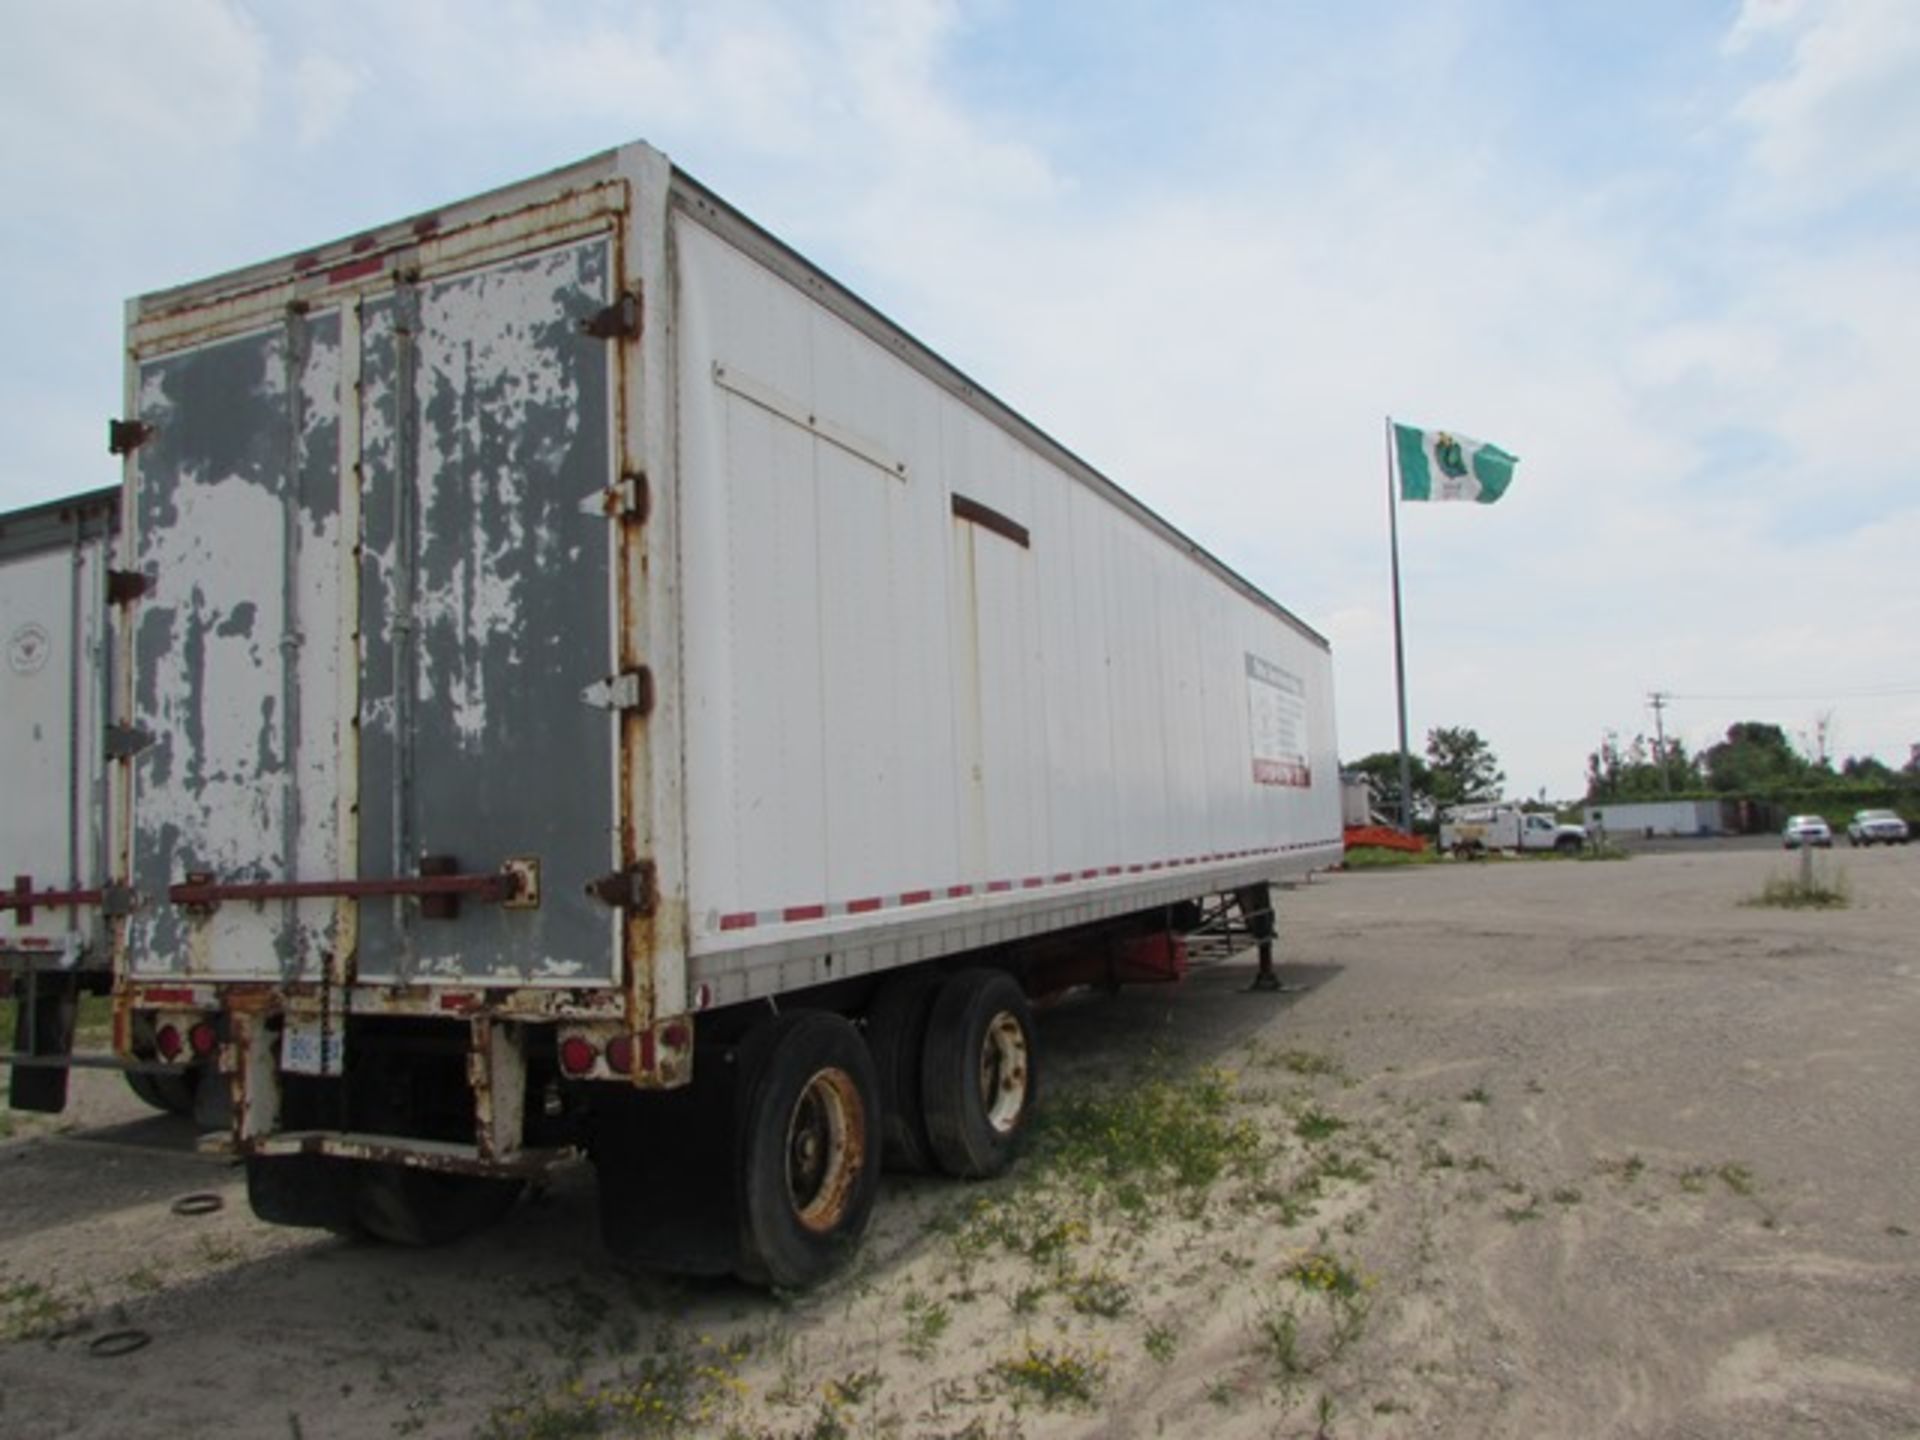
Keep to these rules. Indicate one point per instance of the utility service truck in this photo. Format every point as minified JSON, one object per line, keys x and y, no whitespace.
{"x":590,"y":685}
{"x":1475,"y":829}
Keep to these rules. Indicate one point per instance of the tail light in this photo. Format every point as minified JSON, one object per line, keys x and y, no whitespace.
{"x":577,"y":1054}
{"x":167,"y":1040}
{"x":620,"y":1054}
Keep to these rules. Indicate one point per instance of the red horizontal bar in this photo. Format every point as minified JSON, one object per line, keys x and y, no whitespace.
{"x":211,"y":892}
{"x":49,"y":899}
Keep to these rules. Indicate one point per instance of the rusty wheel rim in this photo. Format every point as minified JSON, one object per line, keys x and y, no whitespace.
{"x":1004,"y":1072}
{"x":826,"y":1142}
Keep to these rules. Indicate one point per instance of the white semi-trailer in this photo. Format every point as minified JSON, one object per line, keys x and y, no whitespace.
{"x":592,"y":684}
{"x":54,"y":560}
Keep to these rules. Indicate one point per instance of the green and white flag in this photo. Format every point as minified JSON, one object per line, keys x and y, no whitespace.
{"x":1439,"y":465}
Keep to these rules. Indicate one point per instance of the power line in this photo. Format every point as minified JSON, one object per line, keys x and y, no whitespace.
{"x":1892,"y":692}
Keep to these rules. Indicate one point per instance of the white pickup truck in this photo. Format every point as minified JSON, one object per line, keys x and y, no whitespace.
{"x":1473,"y":829}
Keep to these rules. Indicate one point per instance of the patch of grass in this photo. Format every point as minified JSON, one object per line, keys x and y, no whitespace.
{"x":1326,"y":1274}
{"x":1626,"y":1171}
{"x":1100,"y":1293}
{"x":1603,"y":850}
{"x":1158,"y":1133}
{"x":1162,"y":1342}
{"x":677,"y":1390}
{"x":145,"y":1280}
{"x":1338,"y":1165}
{"x":1793,"y":892}
{"x":1522,"y":1214}
{"x":30,"y":1310}
{"x":853,"y":1387}
{"x":1567,"y":1195}
{"x":1379,"y":857}
{"x":1313,"y":1124}
{"x":1306,"y":1062}
{"x":1278,"y":1329}
{"x":927,"y":1321}
{"x":1694,"y":1179}
{"x":1737,"y":1178}
{"x":1053,"y":1375}
{"x":1478,"y":1095}
{"x":1026,"y":1300}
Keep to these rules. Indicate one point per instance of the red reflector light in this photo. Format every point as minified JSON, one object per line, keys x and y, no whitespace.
{"x":577,"y":1055}
{"x":620,"y":1054}
{"x":169,"y":1042}
{"x":675,"y":1036}
{"x":203,"y":1039}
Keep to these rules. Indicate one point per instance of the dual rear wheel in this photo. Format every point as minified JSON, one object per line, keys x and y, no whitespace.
{"x":945,"y":1078}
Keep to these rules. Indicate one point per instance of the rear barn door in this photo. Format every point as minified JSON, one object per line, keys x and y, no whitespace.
{"x":487,"y":441}
{"x":235,"y":518}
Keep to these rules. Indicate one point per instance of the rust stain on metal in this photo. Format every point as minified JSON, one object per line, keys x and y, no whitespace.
{"x":835,"y":1096}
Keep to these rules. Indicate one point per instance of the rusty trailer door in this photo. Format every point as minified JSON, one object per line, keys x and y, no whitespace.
{"x":485,"y":614}
{"x":377,"y":584}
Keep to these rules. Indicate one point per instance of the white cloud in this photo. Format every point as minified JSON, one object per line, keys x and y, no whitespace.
{"x":97,"y":87}
{"x":1842,"y":117}
{"x":323,"y":91}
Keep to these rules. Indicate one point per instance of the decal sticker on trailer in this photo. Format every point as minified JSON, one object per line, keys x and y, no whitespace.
{"x":1277,"y":724}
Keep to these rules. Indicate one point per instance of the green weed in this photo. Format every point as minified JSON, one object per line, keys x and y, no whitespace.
{"x":1054,"y":1375}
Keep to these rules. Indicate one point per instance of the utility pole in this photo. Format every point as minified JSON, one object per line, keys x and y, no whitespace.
{"x":1658,"y":699}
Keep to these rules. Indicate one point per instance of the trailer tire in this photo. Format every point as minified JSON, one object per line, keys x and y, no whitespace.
{"x":897,"y":1035}
{"x":808,"y":1134}
{"x":405,"y":1205}
{"x":979,"y":1078}
{"x":172,"y":1093}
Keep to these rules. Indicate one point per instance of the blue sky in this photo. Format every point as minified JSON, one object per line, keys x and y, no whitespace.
{"x":1665,"y":252}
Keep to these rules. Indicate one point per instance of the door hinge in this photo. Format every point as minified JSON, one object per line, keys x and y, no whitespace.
{"x":629,"y":690}
{"x":124,"y":586}
{"x":619,"y":321}
{"x":635,"y":889}
{"x":126,"y":436}
{"x":118,"y":900}
{"x":625,"y":499}
{"x":123,"y":742}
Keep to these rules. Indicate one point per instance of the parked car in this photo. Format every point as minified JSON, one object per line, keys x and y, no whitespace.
{"x":1876,"y":827}
{"x":1806,"y":830}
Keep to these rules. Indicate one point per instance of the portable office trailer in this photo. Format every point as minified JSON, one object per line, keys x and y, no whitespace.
{"x":576,"y":629}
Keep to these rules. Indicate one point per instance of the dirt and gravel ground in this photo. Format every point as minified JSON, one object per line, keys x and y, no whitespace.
{"x":1535,"y":1149}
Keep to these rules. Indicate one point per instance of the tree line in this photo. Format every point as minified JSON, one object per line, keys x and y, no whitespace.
{"x":1755,"y":760}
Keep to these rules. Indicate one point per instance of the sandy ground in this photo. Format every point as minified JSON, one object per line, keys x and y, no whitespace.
{"x":1535,"y":1149}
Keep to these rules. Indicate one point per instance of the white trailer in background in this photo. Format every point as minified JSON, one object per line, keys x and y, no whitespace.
{"x":603,"y":686}
{"x":53,"y":698}
{"x":56,"y":565}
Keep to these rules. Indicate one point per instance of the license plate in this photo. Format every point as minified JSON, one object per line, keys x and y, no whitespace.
{"x":309,"y":1048}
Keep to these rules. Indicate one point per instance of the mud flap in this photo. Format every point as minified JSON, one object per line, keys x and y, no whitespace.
{"x":46,"y":1008}
{"x":307,"y":1191}
{"x":666,"y":1165}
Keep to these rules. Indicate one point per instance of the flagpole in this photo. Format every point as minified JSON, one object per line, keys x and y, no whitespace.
{"x":1399,"y":650}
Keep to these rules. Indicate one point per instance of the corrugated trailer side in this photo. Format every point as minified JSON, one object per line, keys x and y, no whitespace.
{"x":603,"y":688}
{"x":945,"y":685}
